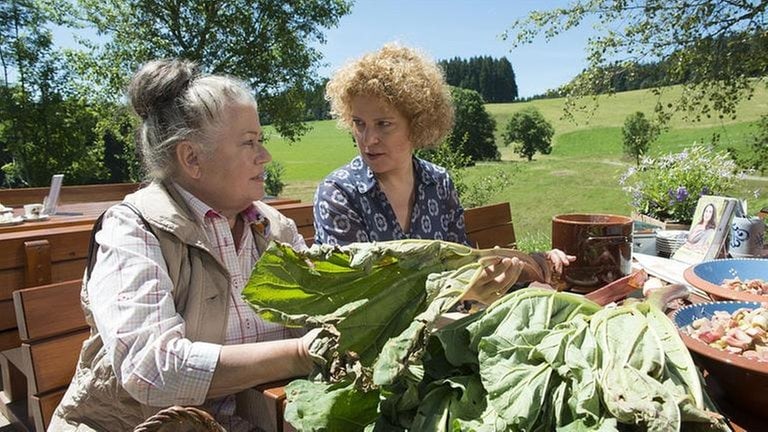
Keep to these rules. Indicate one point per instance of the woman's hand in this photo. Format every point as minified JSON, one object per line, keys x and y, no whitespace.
{"x":495,"y":280}
{"x":559,"y":259}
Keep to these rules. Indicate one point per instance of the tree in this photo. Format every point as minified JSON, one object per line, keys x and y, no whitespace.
{"x":638,"y":133}
{"x":45,"y":127}
{"x":472,"y":133}
{"x":273,"y":179}
{"x":531,"y":133}
{"x":756,"y":156}
{"x":317,"y":108}
{"x":759,"y":147}
{"x":268,"y":43}
{"x":712,"y":46}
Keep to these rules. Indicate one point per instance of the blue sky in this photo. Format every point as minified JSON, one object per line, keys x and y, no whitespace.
{"x":450,"y":28}
{"x":459,"y":28}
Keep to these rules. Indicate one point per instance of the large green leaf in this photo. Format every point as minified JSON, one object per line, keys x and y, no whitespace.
{"x":296,"y":287}
{"x":517,"y":389}
{"x":396,"y":353}
{"x":329,"y":407}
{"x":370,"y":292}
{"x":676,"y":354}
{"x":529,"y":309}
{"x":449,"y":403}
{"x":454,"y":340}
{"x":644,"y":375}
{"x":626,"y":340}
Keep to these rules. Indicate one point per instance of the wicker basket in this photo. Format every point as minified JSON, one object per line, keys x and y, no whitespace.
{"x":181,"y":419}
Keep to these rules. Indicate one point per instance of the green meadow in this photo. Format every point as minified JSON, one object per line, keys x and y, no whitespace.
{"x":580,"y":175}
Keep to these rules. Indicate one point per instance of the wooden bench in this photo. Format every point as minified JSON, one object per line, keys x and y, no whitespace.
{"x":487,"y":226}
{"x":33,"y":258}
{"x":40,"y":288}
{"x":52,"y":329}
{"x":30,"y":358}
{"x":301,"y":213}
{"x":490,"y":225}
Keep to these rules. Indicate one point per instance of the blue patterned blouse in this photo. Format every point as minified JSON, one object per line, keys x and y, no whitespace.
{"x":350,"y":207}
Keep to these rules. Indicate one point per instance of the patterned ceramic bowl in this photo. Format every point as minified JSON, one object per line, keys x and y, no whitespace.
{"x":744,"y":381}
{"x":708,"y":276}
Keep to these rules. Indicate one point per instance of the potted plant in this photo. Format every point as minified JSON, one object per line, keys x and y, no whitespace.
{"x":664,"y":191}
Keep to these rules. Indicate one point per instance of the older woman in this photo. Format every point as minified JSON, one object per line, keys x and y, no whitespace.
{"x":168,"y":325}
{"x":394,"y":101}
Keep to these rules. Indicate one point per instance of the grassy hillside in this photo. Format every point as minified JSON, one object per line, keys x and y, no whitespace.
{"x":581,"y":174}
{"x":612,"y":110}
{"x":306,"y":162}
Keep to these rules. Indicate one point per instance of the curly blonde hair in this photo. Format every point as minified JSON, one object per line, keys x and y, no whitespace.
{"x":406,"y":79}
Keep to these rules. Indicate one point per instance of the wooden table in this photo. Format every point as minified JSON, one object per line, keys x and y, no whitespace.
{"x":86,"y":213}
{"x":66,"y":215}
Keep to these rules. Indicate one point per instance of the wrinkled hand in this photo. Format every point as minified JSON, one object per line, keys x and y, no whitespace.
{"x":309,"y":345}
{"x":495,"y":280}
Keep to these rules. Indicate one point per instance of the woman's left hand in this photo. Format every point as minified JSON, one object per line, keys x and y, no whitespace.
{"x":559,"y":259}
{"x":495,"y":280}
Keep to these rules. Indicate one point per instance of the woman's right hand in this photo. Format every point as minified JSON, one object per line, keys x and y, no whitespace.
{"x":495,"y":280}
{"x":305,"y":344}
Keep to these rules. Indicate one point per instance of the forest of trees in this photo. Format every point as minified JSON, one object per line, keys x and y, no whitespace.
{"x":633,"y":76}
{"x":493,"y":78}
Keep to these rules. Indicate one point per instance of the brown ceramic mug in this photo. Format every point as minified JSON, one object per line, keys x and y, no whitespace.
{"x":602,"y":244}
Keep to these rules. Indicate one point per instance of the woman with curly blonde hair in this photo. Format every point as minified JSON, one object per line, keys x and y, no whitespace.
{"x":393,"y":101}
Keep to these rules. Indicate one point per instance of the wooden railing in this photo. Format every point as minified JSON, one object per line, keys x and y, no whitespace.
{"x":68,"y":194}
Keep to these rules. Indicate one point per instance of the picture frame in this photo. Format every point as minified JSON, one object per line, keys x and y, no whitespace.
{"x":709,"y":229}
{"x":52,"y":200}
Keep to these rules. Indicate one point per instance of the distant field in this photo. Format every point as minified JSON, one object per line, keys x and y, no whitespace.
{"x":581,"y":174}
{"x":309,"y":160}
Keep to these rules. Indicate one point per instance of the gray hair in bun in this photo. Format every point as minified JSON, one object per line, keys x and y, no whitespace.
{"x":175,"y":103}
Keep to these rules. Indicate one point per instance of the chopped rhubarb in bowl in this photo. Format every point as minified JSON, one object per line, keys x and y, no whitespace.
{"x":731,"y":279}
{"x":729,"y":339}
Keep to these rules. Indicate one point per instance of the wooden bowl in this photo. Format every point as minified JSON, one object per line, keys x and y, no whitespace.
{"x":708,"y":276}
{"x":744,"y":381}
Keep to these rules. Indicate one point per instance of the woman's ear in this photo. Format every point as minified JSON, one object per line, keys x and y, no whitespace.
{"x":188,"y":158}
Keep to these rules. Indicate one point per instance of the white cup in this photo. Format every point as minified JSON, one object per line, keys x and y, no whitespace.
{"x":746,"y":237}
{"x":33,"y":210}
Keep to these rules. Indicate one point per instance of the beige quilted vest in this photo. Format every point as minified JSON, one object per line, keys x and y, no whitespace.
{"x":94,"y":400}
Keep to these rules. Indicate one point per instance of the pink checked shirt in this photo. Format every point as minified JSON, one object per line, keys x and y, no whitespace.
{"x":132,"y":303}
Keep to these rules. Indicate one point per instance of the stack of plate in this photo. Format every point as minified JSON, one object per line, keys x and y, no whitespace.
{"x":669,"y":241}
